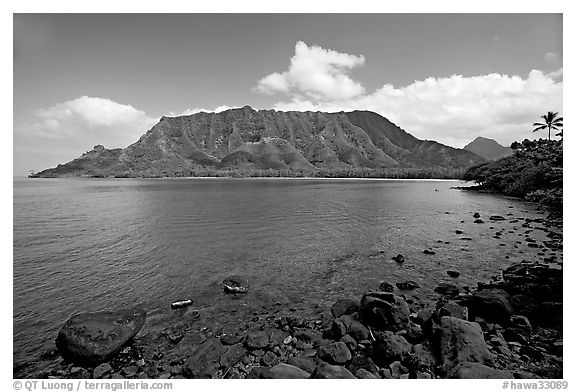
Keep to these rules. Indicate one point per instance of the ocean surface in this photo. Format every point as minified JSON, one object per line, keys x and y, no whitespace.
{"x":101,"y":244}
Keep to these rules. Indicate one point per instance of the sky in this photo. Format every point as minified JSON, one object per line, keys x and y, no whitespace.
{"x":85,"y":79}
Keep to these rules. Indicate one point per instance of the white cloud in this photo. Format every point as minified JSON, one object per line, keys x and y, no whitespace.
{"x":87,"y":121}
{"x":452,"y":110}
{"x":551,"y":57}
{"x":189,"y":112}
{"x":316,"y":73}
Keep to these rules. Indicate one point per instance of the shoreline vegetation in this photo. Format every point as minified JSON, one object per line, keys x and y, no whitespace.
{"x":386,"y":173}
{"x":534,"y":173}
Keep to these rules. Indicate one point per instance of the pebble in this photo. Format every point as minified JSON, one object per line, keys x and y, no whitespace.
{"x":101,"y":370}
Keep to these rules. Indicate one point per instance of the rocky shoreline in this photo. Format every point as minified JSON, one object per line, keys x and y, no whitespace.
{"x":510,"y":327}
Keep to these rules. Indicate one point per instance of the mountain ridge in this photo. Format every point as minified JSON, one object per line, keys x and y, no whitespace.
{"x":244,"y":138}
{"x":488,"y":149}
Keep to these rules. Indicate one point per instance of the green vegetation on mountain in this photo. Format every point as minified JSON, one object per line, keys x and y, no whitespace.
{"x":533,"y":172}
{"x":247,"y":142}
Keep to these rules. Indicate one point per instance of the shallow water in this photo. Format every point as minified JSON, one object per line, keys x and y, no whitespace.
{"x":93,"y":244}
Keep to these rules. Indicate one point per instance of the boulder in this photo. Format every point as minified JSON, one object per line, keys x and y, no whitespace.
{"x":362,"y":362}
{"x":471,"y":370}
{"x":453,"y":273}
{"x":497,"y":218}
{"x":384,"y":311}
{"x":236,"y":284}
{"x":386,"y":287}
{"x":478,"y":221}
{"x":101,"y":370}
{"x":204,"y":360}
{"x":334,"y":353}
{"x":233,"y":355}
{"x":428,"y":252}
{"x":451,"y":308}
{"x":476,"y":215}
{"x":461,"y":341}
{"x":344,"y":306}
{"x":447,"y":289}
{"x":390,"y":347}
{"x":92,"y":338}
{"x":257,"y":339}
{"x":305,"y":363}
{"x":324,"y":370}
{"x":364,"y":374}
{"x":490,"y":304}
{"x":407,"y":285}
{"x":280,"y":371}
{"x":355,"y":328}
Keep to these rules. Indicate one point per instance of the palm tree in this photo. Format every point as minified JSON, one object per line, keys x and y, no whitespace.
{"x":551,"y":121}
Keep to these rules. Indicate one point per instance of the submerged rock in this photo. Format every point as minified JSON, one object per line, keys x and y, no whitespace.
{"x":386,"y":287}
{"x":447,"y":289}
{"x":236,"y":284}
{"x":92,"y":338}
{"x":399,"y":258}
{"x":407,"y":285}
{"x":204,"y":360}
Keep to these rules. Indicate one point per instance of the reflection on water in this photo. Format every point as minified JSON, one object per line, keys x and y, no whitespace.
{"x":86,"y":244}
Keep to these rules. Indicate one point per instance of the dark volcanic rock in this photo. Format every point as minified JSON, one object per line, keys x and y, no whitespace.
{"x":390,"y":347}
{"x":257,"y":339}
{"x":324,"y":370}
{"x":233,"y":355}
{"x":407,"y":285}
{"x":280,"y":371}
{"x":386,"y":287}
{"x":471,"y":370}
{"x":453,"y":273}
{"x":204,"y":359}
{"x":345,"y":306}
{"x":447,"y":289}
{"x":476,"y":215}
{"x":236,"y":284}
{"x":399,"y":258}
{"x":334,"y":353}
{"x":384,"y":311}
{"x":91,"y":338}
{"x":305,"y":363}
{"x":497,"y":218}
{"x":429,"y":252}
{"x":491,"y":304}
{"x":478,"y":221}
{"x":461,"y":341}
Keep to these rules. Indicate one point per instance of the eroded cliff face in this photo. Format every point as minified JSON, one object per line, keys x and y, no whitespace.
{"x":266,"y":139}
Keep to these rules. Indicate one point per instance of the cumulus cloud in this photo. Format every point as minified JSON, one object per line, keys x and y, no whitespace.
{"x":315,"y":73}
{"x":88,"y":120}
{"x":189,"y":112}
{"x":453,"y":110}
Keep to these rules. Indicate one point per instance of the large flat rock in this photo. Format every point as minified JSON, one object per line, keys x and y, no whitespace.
{"x":92,"y":338}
